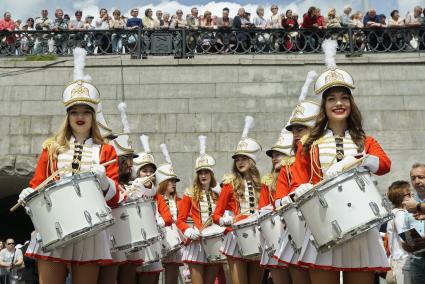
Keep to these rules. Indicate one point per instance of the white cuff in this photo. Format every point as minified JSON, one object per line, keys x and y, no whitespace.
{"x":111,"y":190}
{"x":372,"y":163}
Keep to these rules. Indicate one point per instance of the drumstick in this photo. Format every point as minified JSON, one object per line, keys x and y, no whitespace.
{"x":206,"y":223}
{"x":354,"y":163}
{"x":240,"y":214}
{"x":50,"y":178}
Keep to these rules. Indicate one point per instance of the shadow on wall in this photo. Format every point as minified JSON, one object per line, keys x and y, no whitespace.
{"x":16,"y":225}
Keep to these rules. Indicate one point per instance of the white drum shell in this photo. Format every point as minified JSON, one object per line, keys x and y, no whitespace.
{"x":295,"y":225}
{"x":172,"y":239}
{"x":343,"y":207}
{"x":211,"y":241}
{"x":152,"y":253}
{"x":69,"y":210}
{"x":248,"y":237}
{"x":134,"y":226}
{"x":271,"y":227}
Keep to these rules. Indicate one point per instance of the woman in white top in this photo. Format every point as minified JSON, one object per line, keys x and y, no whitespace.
{"x":398,"y":192}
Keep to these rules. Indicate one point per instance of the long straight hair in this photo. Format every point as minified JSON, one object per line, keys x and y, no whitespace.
{"x":162,"y":188}
{"x":354,"y":122}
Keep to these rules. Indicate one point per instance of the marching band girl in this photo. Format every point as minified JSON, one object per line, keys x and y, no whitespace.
{"x":335,"y":142}
{"x":199,"y":202}
{"x":144,"y":168}
{"x":239,"y":195}
{"x":281,"y":154}
{"x":302,"y":120}
{"x":167,"y":181}
{"x":79,"y":146}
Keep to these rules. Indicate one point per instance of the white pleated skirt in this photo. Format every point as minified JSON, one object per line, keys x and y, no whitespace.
{"x":194,"y":253}
{"x":270,"y":262}
{"x":230,"y":248}
{"x":155,"y":267}
{"x":91,"y":250}
{"x":174,"y":258}
{"x":121,"y":257}
{"x":363,"y":253}
{"x":286,"y":253}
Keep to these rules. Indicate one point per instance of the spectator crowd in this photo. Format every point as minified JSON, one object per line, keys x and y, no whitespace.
{"x":314,"y":18}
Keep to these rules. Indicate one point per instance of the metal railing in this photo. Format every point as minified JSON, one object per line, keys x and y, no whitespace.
{"x":190,"y":42}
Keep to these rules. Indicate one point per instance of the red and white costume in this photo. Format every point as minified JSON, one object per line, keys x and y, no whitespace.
{"x":172,"y":205}
{"x":366,"y":251}
{"x":95,"y":249}
{"x":200,"y":211}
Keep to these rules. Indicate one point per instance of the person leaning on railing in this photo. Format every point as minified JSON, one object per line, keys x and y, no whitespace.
{"x":116,"y":24}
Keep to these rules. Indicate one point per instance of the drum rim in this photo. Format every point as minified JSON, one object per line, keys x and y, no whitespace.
{"x":261,"y":218}
{"x":329,"y":183}
{"x":57,"y":183}
{"x":246,"y":224}
{"x":213,"y":235}
{"x":67,"y":240}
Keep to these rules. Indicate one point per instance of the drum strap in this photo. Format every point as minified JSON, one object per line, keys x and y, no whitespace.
{"x":76,"y":160}
{"x":251,"y":197}
{"x":207,"y":195}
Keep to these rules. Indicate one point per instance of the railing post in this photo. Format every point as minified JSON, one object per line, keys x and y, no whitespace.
{"x":184,"y":45}
{"x":139,"y":42}
{"x":350,"y":39}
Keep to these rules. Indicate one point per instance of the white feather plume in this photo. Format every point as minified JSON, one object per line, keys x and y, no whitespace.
{"x":329,"y":47}
{"x":79,"y":64}
{"x":249,"y":122}
{"x":202,"y":144}
{"x":145,"y":143}
{"x":311,"y":75}
{"x":165,"y":153}
{"x":122,"y":107}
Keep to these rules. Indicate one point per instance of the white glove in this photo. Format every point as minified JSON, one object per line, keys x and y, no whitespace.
{"x":339,"y":167}
{"x":100,"y":173}
{"x":303,"y":189}
{"x":226,"y":221}
{"x":284,"y":201}
{"x":191,"y":233}
{"x":24,"y":193}
{"x":372,"y":163}
{"x":217,"y":189}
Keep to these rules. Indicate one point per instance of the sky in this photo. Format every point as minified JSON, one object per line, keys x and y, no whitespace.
{"x":22,"y":9}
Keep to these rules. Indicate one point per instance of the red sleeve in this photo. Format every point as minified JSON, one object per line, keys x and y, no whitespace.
{"x":264,"y":199}
{"x":223,"y":202}
{"x":183,"y":211}
{"x":163,"y":210}
{"x":40,"y":173}
{"x":282,"y":187}
{"x":107,"y":153}
{"x":301,"y":170}
{"x":372,"y":147}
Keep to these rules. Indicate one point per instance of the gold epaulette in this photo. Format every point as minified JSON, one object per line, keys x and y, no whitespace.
{"x":189,"y":191}
{"x":228,"y":178}
{"x":267,"y":179}
{"x":287,"y":161}
{"x":48,"y":142}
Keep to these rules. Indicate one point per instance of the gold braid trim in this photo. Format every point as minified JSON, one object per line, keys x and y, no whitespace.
{"x":52,"y":148}
{"x":267,"y":179}
{"x":314,"y":152}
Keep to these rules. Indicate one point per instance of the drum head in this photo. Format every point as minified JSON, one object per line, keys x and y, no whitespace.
{"x":212,"y":230}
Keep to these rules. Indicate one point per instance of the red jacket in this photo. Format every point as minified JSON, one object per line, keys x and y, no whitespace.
{"x":266,"y":197}
{"x":107,"y":153}
{"x":308,"y":21}
{"x":283,"y":187}
{"x":188,"y":206}
{"x":302,"y":171}
{"x":163,"y":210}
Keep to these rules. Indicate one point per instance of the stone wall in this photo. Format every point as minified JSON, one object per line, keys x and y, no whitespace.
{"x":174,"y":101}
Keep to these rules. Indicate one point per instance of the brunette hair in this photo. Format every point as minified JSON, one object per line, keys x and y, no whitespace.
{"x":397,"y":192}
{"x":238,"y":184}
{"x":197,"y":187}
{"x":162,"y":188}
{"x":354,"y":122}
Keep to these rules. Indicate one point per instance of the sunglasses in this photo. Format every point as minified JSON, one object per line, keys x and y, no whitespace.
{"x":9,"y":244}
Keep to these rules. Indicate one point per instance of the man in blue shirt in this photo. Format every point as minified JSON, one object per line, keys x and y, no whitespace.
{"x":134,"y":22}
{"x":416,"y":206}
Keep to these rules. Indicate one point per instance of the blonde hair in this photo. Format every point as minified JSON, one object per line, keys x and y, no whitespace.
{"x":59,"y":142}
{"x":197,"y":188}
{"x":238,"y":180}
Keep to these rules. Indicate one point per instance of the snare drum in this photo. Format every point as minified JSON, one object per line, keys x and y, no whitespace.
{"x":295,"y":224}
{"x":152,"y":253}
{"x":171,"y":239}
{"x":271,"y":227}
{"x":248,"y":236}
{"x":68,"y":210}
{"x":132,"y":228}
{"x":211,"y":241}
{"x":343,"y":207}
